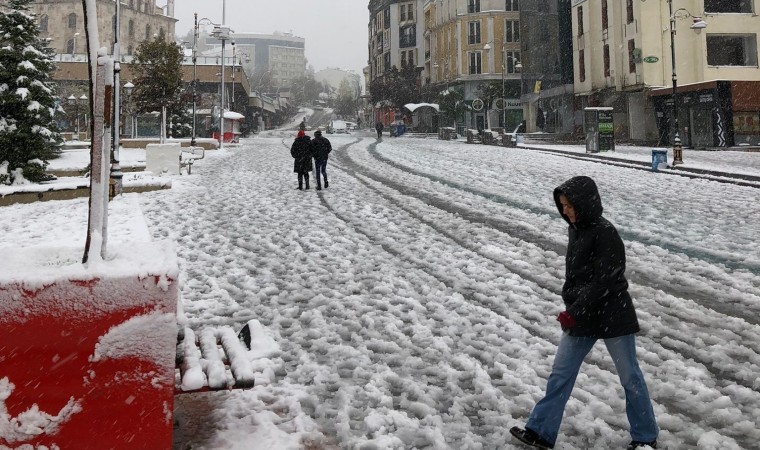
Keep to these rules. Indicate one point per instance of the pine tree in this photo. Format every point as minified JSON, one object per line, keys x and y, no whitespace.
{"x":28,"y":135}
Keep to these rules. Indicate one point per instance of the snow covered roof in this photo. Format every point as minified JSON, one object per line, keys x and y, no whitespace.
{"x":413,"y":106}
{"x":232,"y":115}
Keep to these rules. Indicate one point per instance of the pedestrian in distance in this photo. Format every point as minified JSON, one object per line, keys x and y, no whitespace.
{"x":379,"y":128}
{"x":598,"y":306}
{"x":320,"y":150}
{"x":301,"y":153}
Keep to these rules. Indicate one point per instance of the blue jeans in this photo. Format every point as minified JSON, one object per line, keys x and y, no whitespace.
{"x":320,"y":167}
{"x":546,"y":416}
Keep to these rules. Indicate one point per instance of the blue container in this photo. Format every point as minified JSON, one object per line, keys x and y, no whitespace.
{"x":659,"y":157}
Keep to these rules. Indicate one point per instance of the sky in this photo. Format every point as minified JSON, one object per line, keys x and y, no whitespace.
{"x":335,"y":30}
{"x":412,"y":304}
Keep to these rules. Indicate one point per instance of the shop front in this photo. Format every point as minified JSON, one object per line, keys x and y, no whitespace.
{"x":711,"y":114}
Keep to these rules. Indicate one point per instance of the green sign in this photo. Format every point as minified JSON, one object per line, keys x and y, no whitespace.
{"x":606,"y":128}
{"x":651,"y":59}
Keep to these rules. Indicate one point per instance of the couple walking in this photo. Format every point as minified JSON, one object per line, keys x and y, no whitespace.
{"x":303,"y":150}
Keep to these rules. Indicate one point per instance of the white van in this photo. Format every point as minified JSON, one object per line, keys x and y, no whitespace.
{"x":339,"y":127}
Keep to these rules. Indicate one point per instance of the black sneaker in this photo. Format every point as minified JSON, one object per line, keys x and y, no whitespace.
{"x":326,"y":184}
{"x":530,"y":437}
{"x":639,"y":444}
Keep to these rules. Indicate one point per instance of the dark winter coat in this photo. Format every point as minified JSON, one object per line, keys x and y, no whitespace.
{"x":379,"y":126}
{"x":320,"y":148}
{"x":301,"y":152}
{"x":595,"y":290}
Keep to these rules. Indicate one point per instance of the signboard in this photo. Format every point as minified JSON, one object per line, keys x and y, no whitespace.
{"x":651,"y":59}
{"x":606,"y":129}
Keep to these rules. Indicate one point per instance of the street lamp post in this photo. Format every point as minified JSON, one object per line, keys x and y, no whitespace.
{"x":223,"y":34}
{"x":128,"y":87}
{"x":73,"y":100}
{"x":697,"y":25}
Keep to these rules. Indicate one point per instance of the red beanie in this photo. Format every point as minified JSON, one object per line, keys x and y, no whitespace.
{"x":301,"y":133}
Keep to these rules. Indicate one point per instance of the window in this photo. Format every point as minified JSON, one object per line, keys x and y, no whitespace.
{"x":512,"y":5}
{"x":632,"y":56}
{"x":728,"y":6}
{"x":406,"y":12}
{"x":629,"y":11}
{"x":147,"y":32}
{"x":605,"y":24}
{"x":402,"y":13}
{"x":732,"y":49}
{"x":131,"y":28}
{"x":473,"y":6}
{"x":580,"y":21}
{"x":44,"y":24}
{"x":407,"y":36}
{"x":512,"y":59}
{"x":70,"y":46}
{"x":407,"y":58}
{"x":73,"y":21}
{"x":606,"y":55}
{"x":581,"y":66}
{"x":129,"y":50}
{"x":387,"y":18}
{"x":475,"y":62}
{"x":512,"y":29}
{"x":474,"y":36}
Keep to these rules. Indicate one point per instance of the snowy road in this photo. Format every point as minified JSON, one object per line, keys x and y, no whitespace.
{"x":414,"y":300}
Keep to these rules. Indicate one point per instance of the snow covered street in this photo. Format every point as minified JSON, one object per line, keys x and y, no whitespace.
{"x":414,"y":300}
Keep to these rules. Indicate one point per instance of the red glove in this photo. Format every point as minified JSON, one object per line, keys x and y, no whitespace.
{"x":566,"y":320}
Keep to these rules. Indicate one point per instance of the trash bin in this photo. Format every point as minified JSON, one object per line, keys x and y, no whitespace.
{"x":659,"y":160}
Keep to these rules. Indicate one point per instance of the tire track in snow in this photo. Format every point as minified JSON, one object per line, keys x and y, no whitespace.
{"x":711,"y":298}
{"x":674,"y":344}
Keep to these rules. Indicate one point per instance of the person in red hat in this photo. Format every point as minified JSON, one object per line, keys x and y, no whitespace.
{"x":301,"y":153}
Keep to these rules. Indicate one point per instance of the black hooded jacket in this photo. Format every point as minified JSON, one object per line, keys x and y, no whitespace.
{"x":301,"y":153}
{"x":595,"y":290}
{"x":320,"y":147}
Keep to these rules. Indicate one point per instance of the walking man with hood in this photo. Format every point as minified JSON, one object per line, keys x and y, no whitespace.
{"x":320,"y":150}
{"x":379,"y":129}
{"x":597,"y":306}
{"x":301,"y":153}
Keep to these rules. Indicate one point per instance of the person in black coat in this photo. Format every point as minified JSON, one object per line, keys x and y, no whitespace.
{"x":379,"y":129}
{"x":597,"y":306}
{"x":320,"y":150}
{"x":301,"y":153}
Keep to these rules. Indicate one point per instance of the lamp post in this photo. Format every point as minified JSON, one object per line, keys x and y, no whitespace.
{"x":223,"y":34}
{"x":697,"y":25}
{"x":128,"y":87}
{"x":517,"y":66}
{"x":73,"y":100}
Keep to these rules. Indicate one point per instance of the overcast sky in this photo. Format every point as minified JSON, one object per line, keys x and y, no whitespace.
{"x":335,"y":30}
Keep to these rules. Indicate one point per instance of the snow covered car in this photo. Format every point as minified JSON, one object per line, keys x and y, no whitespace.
{"x":339,"y":127}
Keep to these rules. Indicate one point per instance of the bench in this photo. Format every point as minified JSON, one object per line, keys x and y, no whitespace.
{"x":215,"y":359}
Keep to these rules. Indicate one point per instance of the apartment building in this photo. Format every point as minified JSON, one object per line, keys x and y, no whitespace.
{"x":396,"y":35}
{"x":523,"y":44}
{"x":622,"y":52}
{"x":282,"y":56}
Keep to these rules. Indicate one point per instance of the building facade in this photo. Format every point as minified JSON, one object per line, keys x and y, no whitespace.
{"x":622,"y":53}
{"x":396,"y":32}
{"x":279,"y":56}
{"x":62,"y":21}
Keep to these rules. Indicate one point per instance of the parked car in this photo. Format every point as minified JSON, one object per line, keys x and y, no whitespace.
{"x":339,"y":127}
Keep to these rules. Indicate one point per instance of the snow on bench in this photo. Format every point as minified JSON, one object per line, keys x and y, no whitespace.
{"x":217,"y":358}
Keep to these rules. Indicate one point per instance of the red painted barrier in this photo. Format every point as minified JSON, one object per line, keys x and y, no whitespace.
{"x":88,"y":362}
